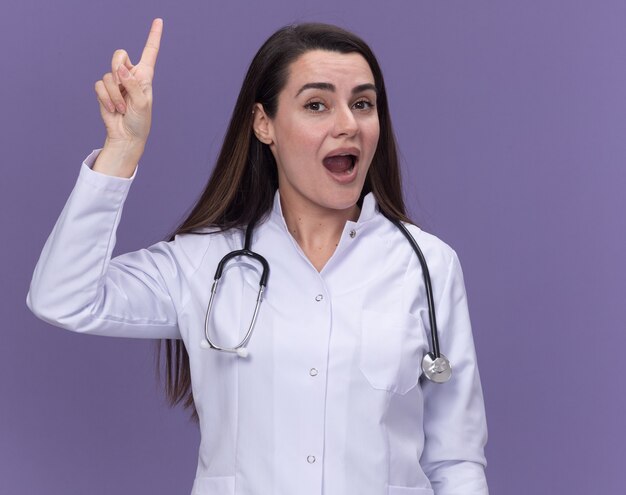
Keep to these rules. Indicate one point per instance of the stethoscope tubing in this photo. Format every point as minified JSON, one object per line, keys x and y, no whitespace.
{"x":239,"y":349}
{"x":434,"y":334}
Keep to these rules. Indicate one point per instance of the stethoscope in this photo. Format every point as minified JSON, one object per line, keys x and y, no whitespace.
{"x":435,"y":365}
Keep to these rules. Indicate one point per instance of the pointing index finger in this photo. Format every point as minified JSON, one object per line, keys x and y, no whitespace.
{"x":151,"y":50}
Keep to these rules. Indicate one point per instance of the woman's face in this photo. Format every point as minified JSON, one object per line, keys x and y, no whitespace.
{"x":325,"y":131}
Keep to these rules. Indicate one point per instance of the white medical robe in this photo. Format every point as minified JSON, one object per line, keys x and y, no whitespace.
{"x":330,"y":399}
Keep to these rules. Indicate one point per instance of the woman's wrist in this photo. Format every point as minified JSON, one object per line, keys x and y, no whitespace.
{"x":119,"y":158}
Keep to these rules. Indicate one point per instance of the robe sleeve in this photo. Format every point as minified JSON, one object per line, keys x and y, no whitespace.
{"x":454,"y":413}
{"x":77,"y":286}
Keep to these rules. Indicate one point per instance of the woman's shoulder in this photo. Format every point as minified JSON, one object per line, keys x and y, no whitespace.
{"x":438,"y":253}
{"x":430,"y":240}
{"x":189,"y":249}
{"x":203,"y":237}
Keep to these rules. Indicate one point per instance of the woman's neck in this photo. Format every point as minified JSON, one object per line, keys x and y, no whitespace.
{"x":317,"y":230}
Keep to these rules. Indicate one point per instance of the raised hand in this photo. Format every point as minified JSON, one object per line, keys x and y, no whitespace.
{"x":125,"y":98}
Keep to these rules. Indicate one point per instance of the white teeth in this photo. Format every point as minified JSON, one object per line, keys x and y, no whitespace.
{"x":346,"y":154}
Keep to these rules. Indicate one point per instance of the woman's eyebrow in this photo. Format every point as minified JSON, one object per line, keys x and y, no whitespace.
{"x":364,"y":87}
{"x":331,"y":87}
{"x":317,"y":85}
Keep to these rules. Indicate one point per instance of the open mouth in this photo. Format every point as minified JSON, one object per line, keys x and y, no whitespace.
{"x":340,"y":164}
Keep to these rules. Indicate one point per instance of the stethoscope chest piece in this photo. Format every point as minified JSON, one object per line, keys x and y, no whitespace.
{"x":437,"y":370}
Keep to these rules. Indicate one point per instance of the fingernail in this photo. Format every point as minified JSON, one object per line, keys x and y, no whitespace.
{"x":110,"y":107}
{"x":123,"y":71}
{"x":121,"y":108}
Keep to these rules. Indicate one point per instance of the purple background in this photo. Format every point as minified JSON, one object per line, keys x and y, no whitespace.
{"x":510,"y":116}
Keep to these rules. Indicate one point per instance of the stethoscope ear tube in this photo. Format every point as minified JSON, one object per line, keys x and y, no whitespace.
{"x":244,"y":252}
{"x":435,"y":365}
{"x":239,"y":349}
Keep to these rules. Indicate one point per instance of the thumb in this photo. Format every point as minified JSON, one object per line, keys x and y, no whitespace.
{"x":132,"y":86}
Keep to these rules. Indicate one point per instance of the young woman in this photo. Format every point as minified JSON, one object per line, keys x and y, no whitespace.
{"x":311,"y":382}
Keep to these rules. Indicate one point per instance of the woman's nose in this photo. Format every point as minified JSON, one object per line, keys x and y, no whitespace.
{"x":345,"y":123}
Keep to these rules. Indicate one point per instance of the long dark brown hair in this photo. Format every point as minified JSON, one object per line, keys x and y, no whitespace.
{"x":242,"y":186}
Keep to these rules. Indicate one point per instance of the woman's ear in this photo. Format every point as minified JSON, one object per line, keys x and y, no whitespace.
{"x":262,"y":125}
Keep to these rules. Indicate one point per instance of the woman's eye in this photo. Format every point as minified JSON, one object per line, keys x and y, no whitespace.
{"x":363,"y":105}
{"x":315,"y":106}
